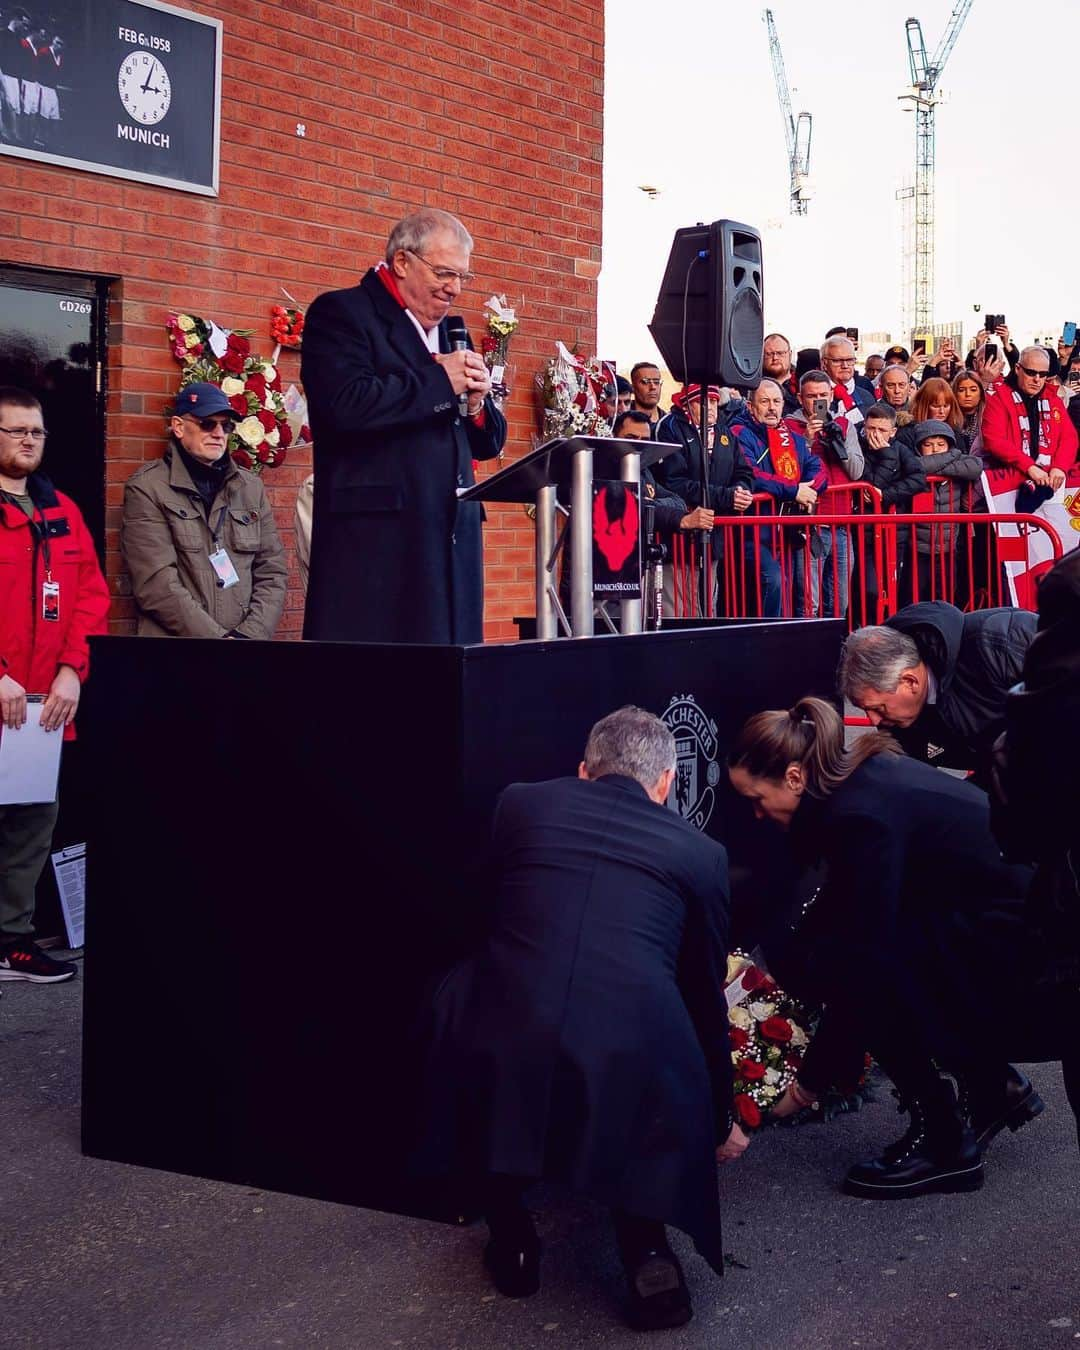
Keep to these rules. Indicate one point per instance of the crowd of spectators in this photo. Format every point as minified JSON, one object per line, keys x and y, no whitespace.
{"x":918,"y":430}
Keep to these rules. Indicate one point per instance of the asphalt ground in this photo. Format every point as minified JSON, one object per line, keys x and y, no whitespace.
{"x":102,"y":1256}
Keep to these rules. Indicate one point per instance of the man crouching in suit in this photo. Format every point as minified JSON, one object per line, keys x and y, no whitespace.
{"x":397,"y":418}
{"x":587,"y":1041}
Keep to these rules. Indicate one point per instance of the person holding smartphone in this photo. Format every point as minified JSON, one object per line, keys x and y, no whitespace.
{"x":1070,"y":376}
{"x":835,"y":441}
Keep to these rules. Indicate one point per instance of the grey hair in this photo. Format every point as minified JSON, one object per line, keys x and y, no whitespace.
{"x":830,"y":343}
{"x":774,"y":384}
{"x":412,"y":233}
{"x":874,"y":658}
{"x":631,"y":742}
{"x":1034,"y":351}
{"x":897,"y":366}
{"x":815,"y":377}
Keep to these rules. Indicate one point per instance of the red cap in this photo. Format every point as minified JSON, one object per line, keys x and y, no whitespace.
{"x":691,"y":393}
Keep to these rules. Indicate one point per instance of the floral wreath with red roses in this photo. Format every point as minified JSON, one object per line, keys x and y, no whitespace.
{"x":252,"y":385}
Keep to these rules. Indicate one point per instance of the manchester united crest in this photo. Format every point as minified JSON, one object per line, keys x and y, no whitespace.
{"x":697,"y":773}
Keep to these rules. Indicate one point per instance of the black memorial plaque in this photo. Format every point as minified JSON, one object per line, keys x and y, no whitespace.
{"x":124,"y":87}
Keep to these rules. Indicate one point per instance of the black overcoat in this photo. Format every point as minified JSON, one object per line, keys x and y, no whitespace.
{"x":394,"y":556}
{"x":587,"y":1041}
{"x":918,"y":926}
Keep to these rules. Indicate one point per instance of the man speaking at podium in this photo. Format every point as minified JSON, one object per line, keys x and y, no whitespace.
{"x":397,"y":417}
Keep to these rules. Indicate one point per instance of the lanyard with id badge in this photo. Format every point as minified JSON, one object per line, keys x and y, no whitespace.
{"x":50,"y":590}
{"x":220,"y":561}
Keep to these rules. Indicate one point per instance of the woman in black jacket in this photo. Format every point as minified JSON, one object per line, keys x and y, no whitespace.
{"x":909,"y":944}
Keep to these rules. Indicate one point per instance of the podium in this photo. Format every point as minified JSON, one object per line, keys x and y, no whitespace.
{"x":569,"y":464}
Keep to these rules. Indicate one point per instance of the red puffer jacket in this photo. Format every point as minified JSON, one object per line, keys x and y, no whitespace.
{"x":32,"y":649}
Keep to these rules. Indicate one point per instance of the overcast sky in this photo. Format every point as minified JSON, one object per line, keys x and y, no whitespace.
{"x":691,"y":109}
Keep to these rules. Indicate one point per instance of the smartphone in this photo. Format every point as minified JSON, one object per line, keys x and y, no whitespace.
{"x":991,"y":351}
{"x":853,"y":334}
{"x":1074,"y":379}
{"x":1068,"y":334}
{"x":821,"y":409}
{"x":918,"y":347}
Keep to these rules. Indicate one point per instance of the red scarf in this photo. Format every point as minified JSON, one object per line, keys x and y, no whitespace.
{"x":390,"y":282}
{"x":785,"y":461}
{"x":842,"y":396}
{"x":1018,"y":410}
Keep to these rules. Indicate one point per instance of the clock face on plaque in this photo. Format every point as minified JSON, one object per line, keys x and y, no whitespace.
{"x":144,"y":87}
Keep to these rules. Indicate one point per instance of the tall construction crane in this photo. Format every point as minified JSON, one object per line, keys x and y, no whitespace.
{"x":796,"y":133}
{"x":924,"y":98}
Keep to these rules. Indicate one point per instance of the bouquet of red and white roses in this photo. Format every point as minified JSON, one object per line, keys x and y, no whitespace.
{"x":252,"y":385}
{"x":769,"y":1035}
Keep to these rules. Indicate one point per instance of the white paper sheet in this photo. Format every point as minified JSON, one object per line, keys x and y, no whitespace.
{"x":29,"y":760}
{"x":69,"y":867}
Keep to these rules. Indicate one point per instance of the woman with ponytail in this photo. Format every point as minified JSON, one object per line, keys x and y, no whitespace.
{"x":910,"y":945}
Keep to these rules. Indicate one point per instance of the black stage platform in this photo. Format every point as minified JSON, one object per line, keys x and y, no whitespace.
{"x":288,"y":842}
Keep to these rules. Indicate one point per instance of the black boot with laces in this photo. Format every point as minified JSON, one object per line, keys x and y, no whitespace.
{"x":938,"y":1153}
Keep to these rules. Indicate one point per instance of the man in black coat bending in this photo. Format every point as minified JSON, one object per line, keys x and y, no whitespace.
{"x":587,"y":1042}
{"x":397,"y":419}
{"x":938,"y":678}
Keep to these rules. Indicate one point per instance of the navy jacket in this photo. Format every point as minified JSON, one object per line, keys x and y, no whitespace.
{"x":587,"y":1041}
{"x":394,"y":556}
{"x":680,"y":470}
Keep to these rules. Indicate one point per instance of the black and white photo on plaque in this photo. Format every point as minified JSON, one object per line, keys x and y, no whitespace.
{"x":124,"y":87}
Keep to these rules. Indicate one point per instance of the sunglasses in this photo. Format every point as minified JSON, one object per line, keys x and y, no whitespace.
{"x":209,"y":424}
{"x":1036,"y":374}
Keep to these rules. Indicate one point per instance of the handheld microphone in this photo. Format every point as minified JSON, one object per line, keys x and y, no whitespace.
{"x":458,"y":336}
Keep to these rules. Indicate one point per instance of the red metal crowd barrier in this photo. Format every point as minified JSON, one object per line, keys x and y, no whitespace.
{"x":858,"y":563}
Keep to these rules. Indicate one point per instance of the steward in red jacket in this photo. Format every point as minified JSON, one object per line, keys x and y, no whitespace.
{"x":52,"y":599}
{"x":56,"y":545}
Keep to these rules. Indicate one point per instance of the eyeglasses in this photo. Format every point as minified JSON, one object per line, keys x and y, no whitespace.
{"x":209,"y":424}
{"x":24,"y":433}
{"x":641,"y":379}
{"x":444,"y":274}
{"x":1036,"y":374}
{"x":840,"y":360}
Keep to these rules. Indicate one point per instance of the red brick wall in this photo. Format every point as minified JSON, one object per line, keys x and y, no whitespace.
{"x":514,"y":149}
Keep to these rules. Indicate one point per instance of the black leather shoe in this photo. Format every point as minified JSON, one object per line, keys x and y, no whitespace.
{"x":1013,"y":1107}
{"x":514,"y":1265}
{"x":938,"y":1153}
{"x":659,"y":1297}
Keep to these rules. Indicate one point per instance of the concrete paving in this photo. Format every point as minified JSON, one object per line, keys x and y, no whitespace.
{"x":100,"y":1256}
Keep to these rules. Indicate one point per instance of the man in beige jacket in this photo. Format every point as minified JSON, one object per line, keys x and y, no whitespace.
{"x":198,"y":535}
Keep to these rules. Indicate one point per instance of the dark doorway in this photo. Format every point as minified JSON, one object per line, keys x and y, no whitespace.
{"x":52,"y":342}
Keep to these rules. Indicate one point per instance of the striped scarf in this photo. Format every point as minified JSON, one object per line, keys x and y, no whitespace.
{"x":1021,"y":419}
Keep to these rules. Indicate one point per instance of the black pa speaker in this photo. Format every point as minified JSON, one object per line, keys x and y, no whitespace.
{"x":709,"y":320}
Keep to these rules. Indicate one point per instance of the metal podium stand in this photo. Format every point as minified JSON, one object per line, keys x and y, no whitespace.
{"x":568,"y":463}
